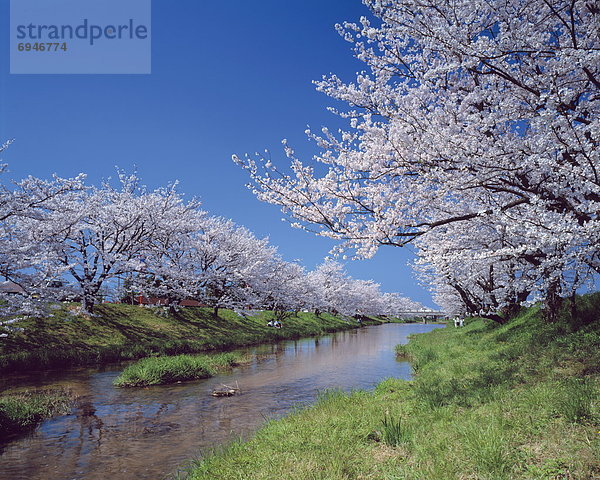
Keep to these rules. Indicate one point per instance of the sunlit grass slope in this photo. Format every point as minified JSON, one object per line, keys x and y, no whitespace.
{"x":518,"y":401}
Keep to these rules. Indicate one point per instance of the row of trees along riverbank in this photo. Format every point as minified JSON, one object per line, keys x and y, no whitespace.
{"x":62,"y":239}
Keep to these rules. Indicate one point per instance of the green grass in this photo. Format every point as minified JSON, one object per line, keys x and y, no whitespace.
{"x":24,"y":410}
{"x":125,"y":332}
{"x":402,"y":353}
{"x":395,"y":431}
{"x":488,"y":402}
{"x":180,"y":368}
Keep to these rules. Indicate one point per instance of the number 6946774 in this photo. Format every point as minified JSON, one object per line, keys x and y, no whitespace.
{"x":42,"y":47}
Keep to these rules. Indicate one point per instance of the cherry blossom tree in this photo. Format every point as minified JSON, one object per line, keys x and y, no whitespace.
{"x":470,"y":273}
{"x":468,"y":110}
{"x":499,"y":267}
{"x":24,"y":260}
{"x":394,"y":305}
{"x":363,"y":298}
{"x":106,"y":232}
{"x":281,"y":287}
{"x":230,"y":259}
{"x":330,"y":282}
{"x":171,"y":268}
{"x":338,"y":293}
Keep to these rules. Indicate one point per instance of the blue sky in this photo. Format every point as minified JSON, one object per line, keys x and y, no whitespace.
{"x":227,"y":77}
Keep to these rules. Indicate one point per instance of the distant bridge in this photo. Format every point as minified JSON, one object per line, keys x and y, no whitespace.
{"x":428,"y":314}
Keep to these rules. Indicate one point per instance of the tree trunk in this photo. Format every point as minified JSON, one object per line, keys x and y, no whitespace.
{"x":466,"y":298}
{"x":552,"y":303}
{"x":88,"y":303}
{"x":510,"y":311}
{"x":573,"y":308}
{"x":496,"y":318}
{"x":216,"y":311}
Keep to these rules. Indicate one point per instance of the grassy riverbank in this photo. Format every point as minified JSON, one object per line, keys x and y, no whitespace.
{"x":123,"y":332}
{"x":518,"y":401}
{"x":24,"y":410}
{"x":163,"y":370}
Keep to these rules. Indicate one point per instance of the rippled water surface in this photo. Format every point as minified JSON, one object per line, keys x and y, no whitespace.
{"x":125,"y":434}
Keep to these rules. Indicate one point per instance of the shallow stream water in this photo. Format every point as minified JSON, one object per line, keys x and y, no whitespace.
{"x":148,"y":433}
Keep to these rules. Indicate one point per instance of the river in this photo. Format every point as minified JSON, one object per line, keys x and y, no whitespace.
{"x":149,"y":433}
